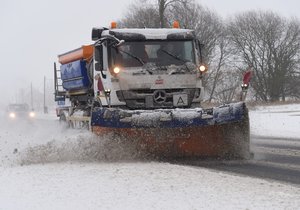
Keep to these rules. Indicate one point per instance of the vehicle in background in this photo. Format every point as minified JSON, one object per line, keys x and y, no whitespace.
{"x":20,"y":111}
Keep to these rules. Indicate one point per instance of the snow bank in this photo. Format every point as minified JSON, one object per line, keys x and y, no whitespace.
{"x":276,"y":121}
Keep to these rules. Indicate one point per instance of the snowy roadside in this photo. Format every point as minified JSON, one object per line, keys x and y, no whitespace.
{"x":276,"y":121}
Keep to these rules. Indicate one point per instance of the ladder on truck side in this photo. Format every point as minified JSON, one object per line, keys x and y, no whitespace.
{"x":59,"y":92}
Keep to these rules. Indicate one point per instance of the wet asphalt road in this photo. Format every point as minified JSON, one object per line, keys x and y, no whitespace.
{"x":273,"y":159}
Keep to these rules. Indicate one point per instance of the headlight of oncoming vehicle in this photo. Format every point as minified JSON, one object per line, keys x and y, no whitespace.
{"x":12,"y":115}
{"x":31,"y":114}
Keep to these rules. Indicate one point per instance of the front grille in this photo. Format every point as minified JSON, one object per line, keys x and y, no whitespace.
{"x":144,"y":98}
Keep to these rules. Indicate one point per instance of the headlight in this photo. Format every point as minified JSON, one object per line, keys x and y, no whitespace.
{"x":31,"y":114}
{"x":12,"y":115}
{"x":244,"y":86}
{"x":116,"y":70}
{"x":202,"y":68}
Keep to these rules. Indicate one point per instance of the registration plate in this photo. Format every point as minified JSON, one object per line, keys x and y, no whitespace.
{"x":180,"y":100}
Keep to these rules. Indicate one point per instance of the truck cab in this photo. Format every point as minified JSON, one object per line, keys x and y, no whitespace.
{"x":147,"y":68}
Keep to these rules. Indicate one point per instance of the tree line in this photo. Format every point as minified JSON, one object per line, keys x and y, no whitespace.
{"x":263,"y":41}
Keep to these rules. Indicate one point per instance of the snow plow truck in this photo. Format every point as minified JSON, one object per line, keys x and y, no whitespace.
{"x":145,"y":86}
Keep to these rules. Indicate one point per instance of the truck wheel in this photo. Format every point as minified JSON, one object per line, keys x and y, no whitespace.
{"x":63,"y":121}
{"x":62,"y":118}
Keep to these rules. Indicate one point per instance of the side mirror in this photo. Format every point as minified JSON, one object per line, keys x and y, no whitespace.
{"x":200,"y":49}
{"x":96,"y":33}
{"x":98,"y":58}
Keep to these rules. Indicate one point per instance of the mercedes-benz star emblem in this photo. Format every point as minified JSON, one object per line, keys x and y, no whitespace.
{"x":159,"y":96}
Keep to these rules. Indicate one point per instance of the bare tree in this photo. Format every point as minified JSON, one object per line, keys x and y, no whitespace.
{"x":269,"y":44}
{"x":219,"y":67}
{"x":149,"y":15}
{"x":146,"y":16}
{"x":228,"y":88}
{"x":162,"y":8}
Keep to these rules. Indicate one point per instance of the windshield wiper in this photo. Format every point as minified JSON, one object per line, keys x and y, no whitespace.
{"x":133,"y":56}
{"x":174,"y":56}
{"x":178,"y":58}
{"x":137,"y":58}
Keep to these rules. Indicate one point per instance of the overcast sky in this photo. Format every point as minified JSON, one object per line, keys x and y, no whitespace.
{"x":34,"y":32}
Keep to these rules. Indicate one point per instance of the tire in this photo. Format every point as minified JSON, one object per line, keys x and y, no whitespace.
{"x":62,"y":118}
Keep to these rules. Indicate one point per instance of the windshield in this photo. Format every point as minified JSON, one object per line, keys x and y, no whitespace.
{"x":18,"y":107}
{"x":162,"y":53}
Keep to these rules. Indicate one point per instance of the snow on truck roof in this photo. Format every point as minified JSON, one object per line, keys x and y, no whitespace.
{"x":151,"y":33}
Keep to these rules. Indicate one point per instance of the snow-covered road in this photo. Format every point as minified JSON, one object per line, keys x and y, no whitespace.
{"x":137,"y":185}
{"x":42,"y":166}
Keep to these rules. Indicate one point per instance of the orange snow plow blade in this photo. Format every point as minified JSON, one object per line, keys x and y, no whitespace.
{"x":225,"y":136}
